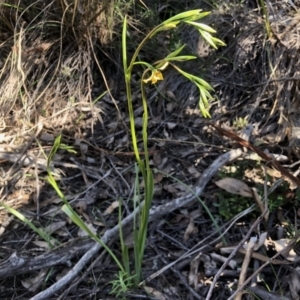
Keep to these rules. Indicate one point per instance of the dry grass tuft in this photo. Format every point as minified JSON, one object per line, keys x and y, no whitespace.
{"x":50,"y":74}
{"x":48,"y":54}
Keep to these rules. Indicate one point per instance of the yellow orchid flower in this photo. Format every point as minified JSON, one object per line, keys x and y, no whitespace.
{"x":155,"y":76}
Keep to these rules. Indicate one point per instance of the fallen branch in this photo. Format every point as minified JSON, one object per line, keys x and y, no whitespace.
{"x":19,"y":264}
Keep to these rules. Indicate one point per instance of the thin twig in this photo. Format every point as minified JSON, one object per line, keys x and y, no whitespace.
{"x":233,"y":253}
{"x":245,"y":266}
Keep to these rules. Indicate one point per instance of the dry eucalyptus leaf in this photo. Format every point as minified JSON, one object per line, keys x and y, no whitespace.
{"x":81,"y":207}
{"x":189,"y":230}
{"x":42,"y":244}
{"x":111,"y":208}
{"x":259,"y":242}
{"x":274,"y":173}
{"x":158,"y":177}
{"x":193,"y":274}
{"x":162,"y":164}
{"x":90,"y":160}
{"x":5,"y":224}
{"x":283,"y":243}
{"x":209,"y":264}
{"x":171,"y":125}
{"x":83,"y":148}
{"x":62,"y":232}
{"x":33,"y":283}
{"x":294,"y":284}
{"x":54,"y":226}
{"x":170,"y":188}
{"x":170,"y":95}
{"x":195,"y":213}
{"x":194,"y":172}
{"x":98,"y":223}
{"x":170,"y":107}
{"x":83,"y":233}
{"x":234,"y":186}
{"x":156,"y":293}
{"x":156,"y":159}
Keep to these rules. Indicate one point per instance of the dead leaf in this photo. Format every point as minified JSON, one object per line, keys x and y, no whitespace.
{"x":193,"y":274}
{"x":258,"y":243}
{"x":42,"y":244}
{"x":158,"y":177}
{"x":274,"y":173}
{"x":33,"y":283}
{"x":5,"y":224}
{"x":170,"y":107}
{"x":157,"y":294}
{"x":234,"y":186}
{"x":83,"y":233}
{"x":138,"y":122}
{"x":170,"y":95}
{"x":170,"y":188}
{"x":111,"y":208}
{"x":254,"y":175}
{"x":83,"y":149}
{"x":44,"y":46}
{"x":98,"y":223}
{"x":276,"y":137}
{"x":195,"y":213}
{"x":194,"y":172}
{"x":189,"y":230}
{"x":294,"y":284}
{"x":55,"y":226}
{"x":171,"y":125}
{"x":288,"y":254}
{"x":209,"y":264}
{"x":81,"y":207}
{"x":156,"y":159}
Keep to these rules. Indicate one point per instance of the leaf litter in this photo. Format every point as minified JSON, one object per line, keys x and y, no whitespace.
{"x":184,"y":145}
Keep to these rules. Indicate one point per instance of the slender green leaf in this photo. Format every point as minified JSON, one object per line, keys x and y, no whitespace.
{"x":149,"y":66}
{"x":184,"y":15}
{"x":198,"y":16}
{"x":45,"y":236}
{"x":201,"y":26}
{"x":124,"y":46}
{"x":175,"y":53}
{"x":54,"y":149}
{"x":164,"y":27}
{"x":67,"y":209}
{"x":214,"y":42}
{"x":181,"y":58}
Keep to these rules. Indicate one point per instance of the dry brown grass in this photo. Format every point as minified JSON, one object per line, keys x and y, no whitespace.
{"x":47,"y":53}
{"x":48,"y":70}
